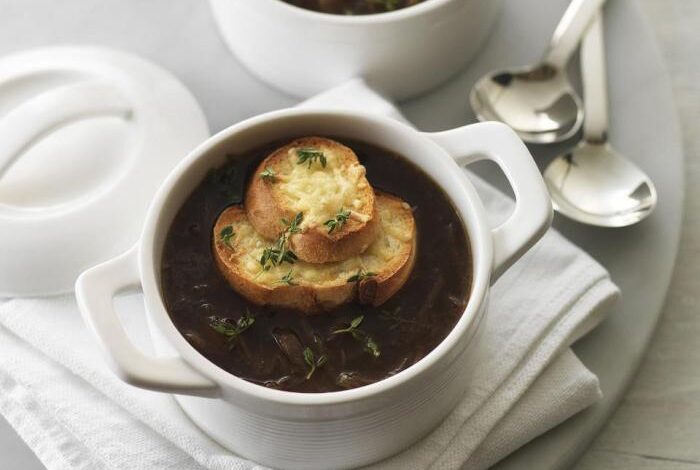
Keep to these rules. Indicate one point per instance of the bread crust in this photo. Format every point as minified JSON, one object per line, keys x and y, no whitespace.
{"x":308,"y":297}
{"x":267,"y":204}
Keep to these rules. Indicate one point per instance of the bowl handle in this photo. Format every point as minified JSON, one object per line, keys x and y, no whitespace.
{"x":532,"y":215}
{"x":95,"y":290}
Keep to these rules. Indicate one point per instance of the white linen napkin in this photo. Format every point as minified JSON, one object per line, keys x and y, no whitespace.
{"x":59,"y":395}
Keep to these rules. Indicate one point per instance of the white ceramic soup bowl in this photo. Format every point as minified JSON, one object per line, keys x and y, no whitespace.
{"x":324,"y":430}
{"x":401,"y":53}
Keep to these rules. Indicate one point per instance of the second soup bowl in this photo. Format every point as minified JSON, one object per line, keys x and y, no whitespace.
{"x":401,"y":53}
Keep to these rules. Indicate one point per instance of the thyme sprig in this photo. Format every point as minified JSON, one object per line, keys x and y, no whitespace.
{"x":268,"y":175}
{"x":309,"y":156}
{"x":293,"y":225}
{"x":226,"y":234}
{"x":361,"y":275}
{"x":369,"y":345}
{"x":232,"y":330}
{"x":313,"y":362}
{"x":338,"y":221}
{"x":279,"y":252}
{"x":288,"y":279}
{"x":352,"y":328}
{"x":276,"y":255}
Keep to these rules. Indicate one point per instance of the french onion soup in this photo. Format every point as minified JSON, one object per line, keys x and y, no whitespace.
{"x":316,"y":265}
{"x":353,"y":7}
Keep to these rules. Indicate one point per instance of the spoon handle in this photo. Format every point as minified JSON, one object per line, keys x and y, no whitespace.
{"x":595,"y":87}
{"x":570,"y":30}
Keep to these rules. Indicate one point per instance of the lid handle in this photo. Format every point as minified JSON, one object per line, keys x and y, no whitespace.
{"x":41,"y":115}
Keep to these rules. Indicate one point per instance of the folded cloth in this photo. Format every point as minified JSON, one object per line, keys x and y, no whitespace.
{"x":64,"y":402}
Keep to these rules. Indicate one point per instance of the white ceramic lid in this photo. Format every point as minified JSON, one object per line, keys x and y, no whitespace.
{"x":87,"y":134}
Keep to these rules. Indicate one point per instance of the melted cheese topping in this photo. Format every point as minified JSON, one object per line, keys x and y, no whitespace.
{"x":321,"y":192}
{"x":394,"y":237}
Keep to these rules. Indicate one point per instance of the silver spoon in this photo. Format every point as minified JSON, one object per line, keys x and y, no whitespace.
{"x":538,"y":102}
{"x":592,"y":183}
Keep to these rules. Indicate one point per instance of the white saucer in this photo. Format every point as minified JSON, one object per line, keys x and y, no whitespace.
{"x":87,"y":134}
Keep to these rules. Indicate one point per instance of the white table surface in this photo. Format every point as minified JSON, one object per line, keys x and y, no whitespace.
{"x":658,"y":422}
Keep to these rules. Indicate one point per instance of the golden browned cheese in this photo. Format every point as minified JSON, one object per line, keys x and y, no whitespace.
{"x":383,"y":267}
{"x":323,"y":180}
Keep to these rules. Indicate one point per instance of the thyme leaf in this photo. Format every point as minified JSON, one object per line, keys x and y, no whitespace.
{"x":338,"y":221}
{"x":372,"y":347}
{"x":226,"y":234}
{"x":309,"y":156}
{"x":288,"y":279}
{"x":232,"y":330}
{"x":361,"y":275}
{"x":313,"y":362}
{"x":293,"y":225}
{"x":369,"y":345}
{"x":268,"y":175}
{"x":352,"y":327}
{"x":279,"y":252}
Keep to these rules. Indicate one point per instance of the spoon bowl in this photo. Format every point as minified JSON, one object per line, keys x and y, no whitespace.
{"x":537,"y":102}
{"x":594,"y":184}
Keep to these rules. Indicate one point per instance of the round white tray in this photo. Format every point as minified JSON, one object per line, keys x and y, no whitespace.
{"x":643,"y":122}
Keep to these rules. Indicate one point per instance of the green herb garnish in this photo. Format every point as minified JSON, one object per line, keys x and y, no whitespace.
{"x":312,"y":362}
{"x":276,"y":255}
{"x":337,"y":223}
{"x":361,"y":275}
{"x":268,"y":174}
{"x":230,"y":329}
{"x":293,"y":226}
{"x":288,"y":279}
{"x":226,"y":234}
{"x":353,"y":326}
{"x":279,"y":252}
{"x":369,"y":345}
{"x":310,"y":155}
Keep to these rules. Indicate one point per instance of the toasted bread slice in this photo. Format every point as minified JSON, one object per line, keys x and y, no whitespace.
{"x":372,"y":277}
{"x":323,"y":180}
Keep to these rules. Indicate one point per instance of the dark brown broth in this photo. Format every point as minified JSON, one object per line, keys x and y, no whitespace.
{"x":353,"y":7}
{"x":406,"y":328}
